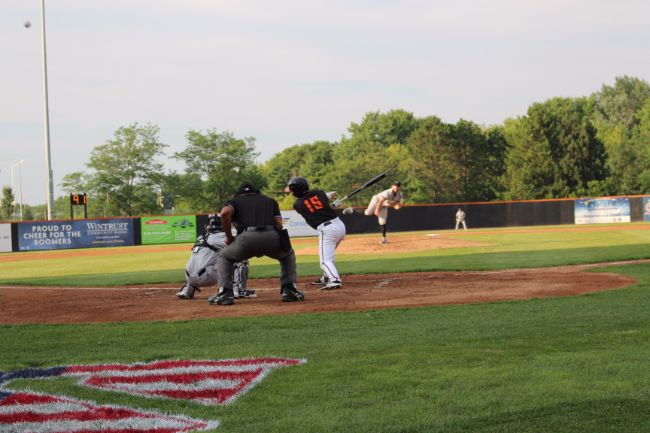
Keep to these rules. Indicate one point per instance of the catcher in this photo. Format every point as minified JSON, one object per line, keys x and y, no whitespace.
{"x":201,"y":268}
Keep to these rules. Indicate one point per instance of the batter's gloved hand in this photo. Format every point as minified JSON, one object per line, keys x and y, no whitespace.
{"x":337,"y":202}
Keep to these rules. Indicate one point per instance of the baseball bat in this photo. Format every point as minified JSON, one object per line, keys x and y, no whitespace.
{"x":367,"y":184}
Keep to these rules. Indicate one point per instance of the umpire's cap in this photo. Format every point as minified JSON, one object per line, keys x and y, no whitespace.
{"x":246,"y":188}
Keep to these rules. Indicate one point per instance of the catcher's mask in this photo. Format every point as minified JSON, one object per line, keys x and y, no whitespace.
{"x":298,"y":186}
{"x":214,"y":223}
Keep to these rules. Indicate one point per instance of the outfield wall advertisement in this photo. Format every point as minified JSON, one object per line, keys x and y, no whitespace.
{"x":602,"y":210}
{"x":47,"y":235}
{"x":5,"y":238}
{"x":168,"y":229}
{"x":296,"y":224}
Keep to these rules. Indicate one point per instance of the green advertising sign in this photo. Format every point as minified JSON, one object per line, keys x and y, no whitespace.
{"x":168,"y":229}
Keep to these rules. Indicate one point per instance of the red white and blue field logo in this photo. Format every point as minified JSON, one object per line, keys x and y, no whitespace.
{"x":206,"y":382}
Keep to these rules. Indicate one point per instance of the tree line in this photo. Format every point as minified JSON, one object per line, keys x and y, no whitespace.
{"x":596,"y":145}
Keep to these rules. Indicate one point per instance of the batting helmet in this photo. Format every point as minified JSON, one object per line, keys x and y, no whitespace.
{"x":214,"y":223}
{"x":298,"y":186}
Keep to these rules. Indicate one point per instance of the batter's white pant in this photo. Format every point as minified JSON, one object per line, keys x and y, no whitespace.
{"x":330,"y":235}
{"x":383,"y":211}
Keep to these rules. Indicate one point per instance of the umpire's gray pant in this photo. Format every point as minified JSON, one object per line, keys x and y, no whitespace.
{"x":255,"y":244}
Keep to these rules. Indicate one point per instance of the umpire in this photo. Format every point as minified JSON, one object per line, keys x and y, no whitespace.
{"x":259,"y":227}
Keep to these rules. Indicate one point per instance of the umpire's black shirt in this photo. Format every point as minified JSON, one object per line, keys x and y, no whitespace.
{"x":253,"y":210}
{"x":314,"y":206}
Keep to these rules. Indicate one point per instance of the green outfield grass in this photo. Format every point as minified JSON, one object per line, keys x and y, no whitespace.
{"x":499,"y":249}
{"x":555,"y":365}
{"x":577,"y":364}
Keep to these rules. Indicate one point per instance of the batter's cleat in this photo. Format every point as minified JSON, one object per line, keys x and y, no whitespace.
{"x":383,"y":241}
{"x":320,"y":282}
{"x":223,"y":297}
{"x":289,"y":293}
{"x":187,"y":291}
{"x":332,"y":285}
{"x":246,"y":293}
{"x":348,"y":211}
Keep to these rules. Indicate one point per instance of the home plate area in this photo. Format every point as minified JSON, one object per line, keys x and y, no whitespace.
{"x":205,"y":382}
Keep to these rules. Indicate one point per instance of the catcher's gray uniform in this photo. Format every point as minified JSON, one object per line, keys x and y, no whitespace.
{"x":201,"y":268}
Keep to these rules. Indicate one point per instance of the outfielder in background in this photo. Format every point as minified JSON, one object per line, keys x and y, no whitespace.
{"x":201,"y":270}
{"x":380,"y":203}
{"x":460,"y":218}
{"x":314,"y":206}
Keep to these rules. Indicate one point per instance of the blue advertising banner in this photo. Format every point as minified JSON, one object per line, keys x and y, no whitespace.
{"x":47,"y":235}
{"x":602,"y":210}
{"x":646,"y":208}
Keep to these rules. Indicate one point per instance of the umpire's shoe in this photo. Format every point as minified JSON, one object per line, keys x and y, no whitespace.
{"x":289,"y":293}
{"x":223,"y":297}
{"x":187,"y":291}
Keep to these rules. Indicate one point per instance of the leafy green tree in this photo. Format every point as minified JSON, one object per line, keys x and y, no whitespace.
{"x":178,"y":190}
{"x":554,"y":150}
{"x":313,"y":161}
{"x":369,"y":150}
{"x":618,"y":106}
{"x":74,"y":183}
{"x":453,"y":162}
{"x":472,"y":158}
{"x":28,"y":212}
{"x":529,"y":165}
{"x":223,"y":162}
{"x":126,"y":170}
{"x":497,"y":149}
{"x":640,"y":141}
{"x":617,"y":118}
{"x":7,"y":203}
{"x":431,"y":160}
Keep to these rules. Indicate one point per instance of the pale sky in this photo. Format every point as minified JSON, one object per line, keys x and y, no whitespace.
{"x":290,"y":72}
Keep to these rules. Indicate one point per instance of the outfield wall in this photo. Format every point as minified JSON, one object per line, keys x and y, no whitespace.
{"x":501,"y":214}
{"x":164,"y":229}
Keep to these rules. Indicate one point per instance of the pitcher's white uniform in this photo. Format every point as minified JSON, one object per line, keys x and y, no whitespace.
{"x":391,"y":198}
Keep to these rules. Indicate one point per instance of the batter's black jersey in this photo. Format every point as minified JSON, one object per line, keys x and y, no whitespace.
{"x":314,"y":206}
{"x":253,"y":210}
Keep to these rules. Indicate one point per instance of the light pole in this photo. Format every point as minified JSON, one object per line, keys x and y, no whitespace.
{"x":48,"y":158}
{"x":18,"y":164}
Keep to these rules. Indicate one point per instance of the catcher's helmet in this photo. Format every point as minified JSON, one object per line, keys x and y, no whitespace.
{"x":214,"y":223}
{"x":298,"y":186}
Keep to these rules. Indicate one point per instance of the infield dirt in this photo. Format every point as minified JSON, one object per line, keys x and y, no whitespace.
{"x":359,"y":292}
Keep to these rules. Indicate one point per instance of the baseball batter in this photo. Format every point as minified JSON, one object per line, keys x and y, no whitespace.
{"x":314,"y":206}
{"x":380,"y":203}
